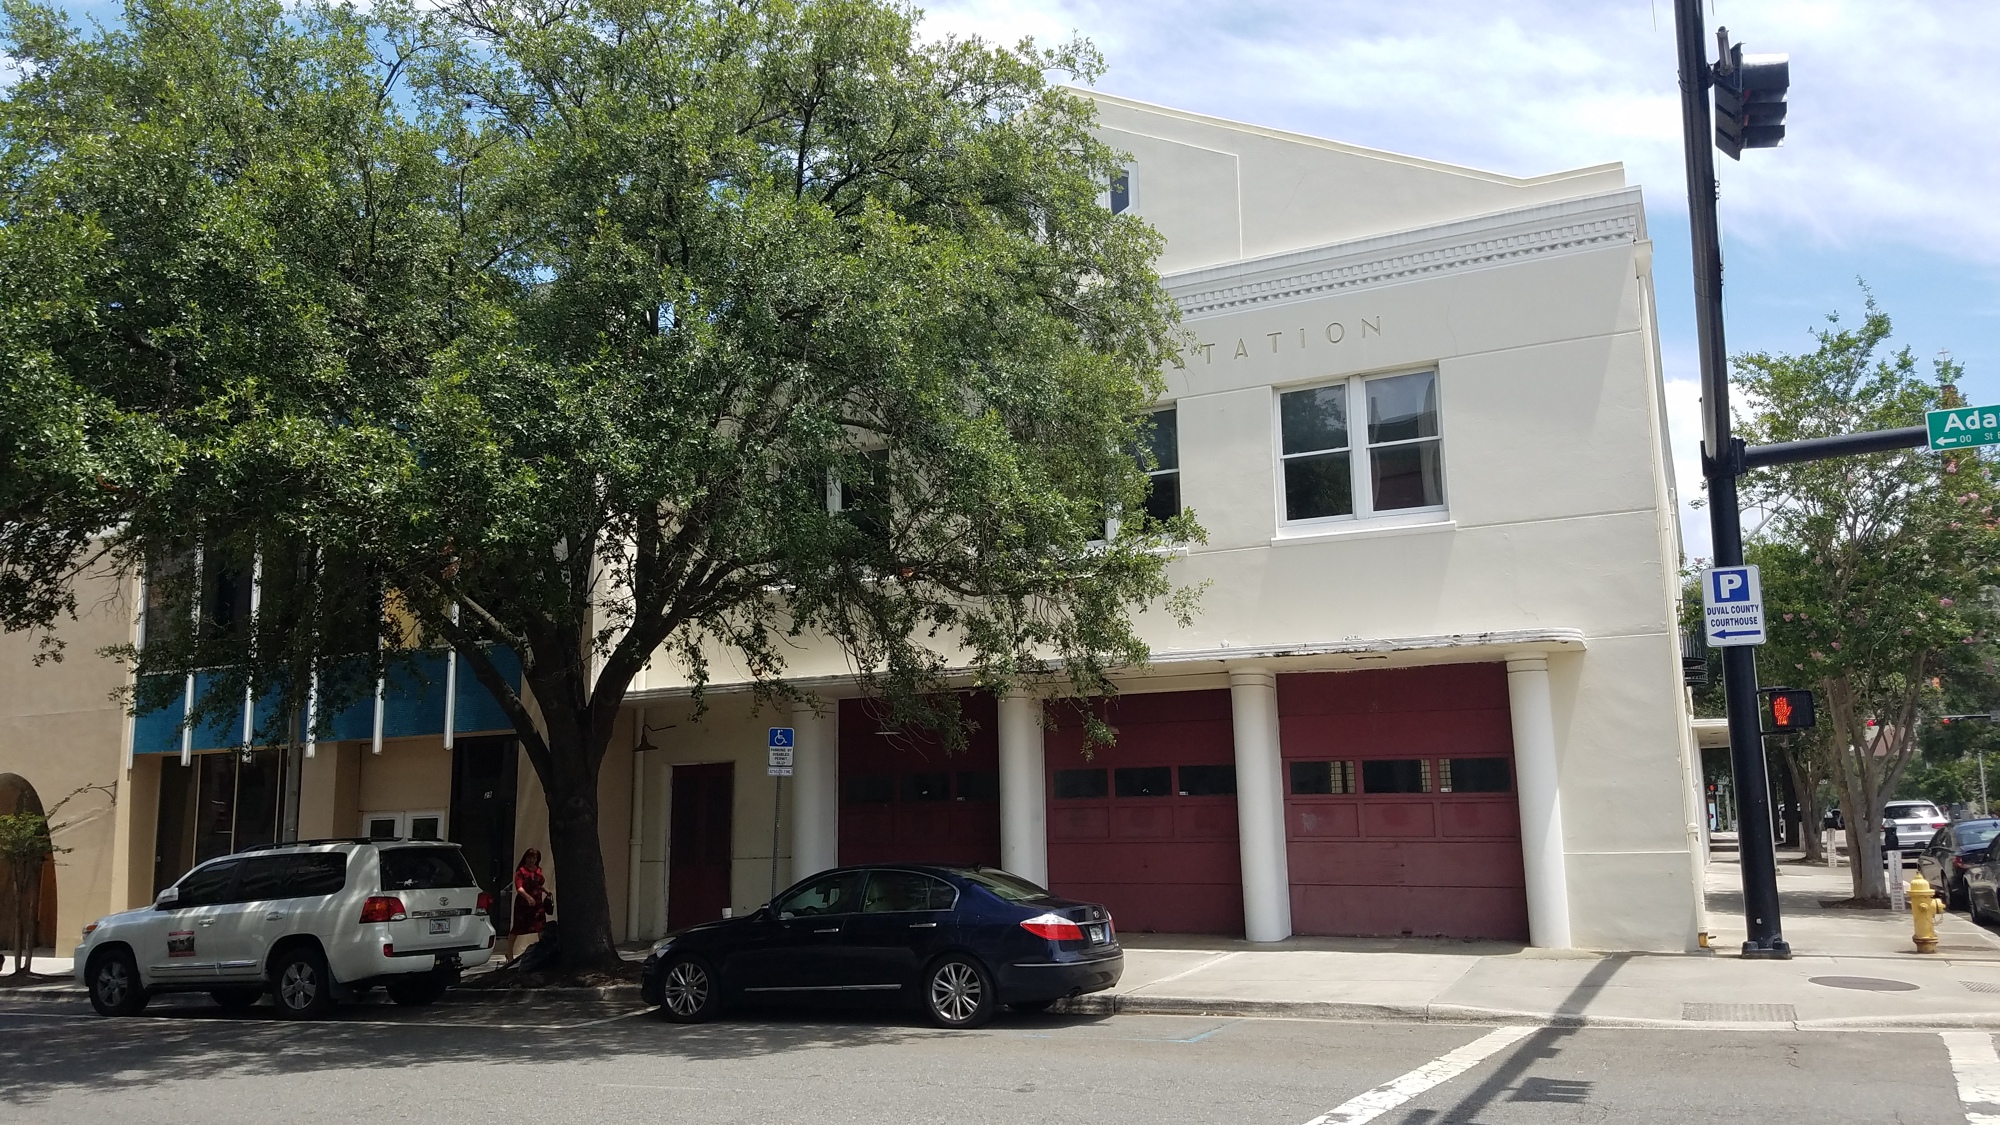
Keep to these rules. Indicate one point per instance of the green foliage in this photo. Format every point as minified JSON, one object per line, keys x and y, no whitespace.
{"x":571,"y":316}
{"x":1877,"y":570}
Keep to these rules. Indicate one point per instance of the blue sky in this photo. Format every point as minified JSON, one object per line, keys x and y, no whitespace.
{"x":1888,"y":171}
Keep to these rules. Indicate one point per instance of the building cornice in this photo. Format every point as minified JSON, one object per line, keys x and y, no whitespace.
{"x":1315,"y":656}
{"x":1563,"y":227}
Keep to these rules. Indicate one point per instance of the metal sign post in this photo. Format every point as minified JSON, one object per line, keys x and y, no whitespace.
{"x":780,"y":744}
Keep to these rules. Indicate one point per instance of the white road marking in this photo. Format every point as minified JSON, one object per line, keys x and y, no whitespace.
{"x":1208,"y":964}
{"x":1374,"y":1103}
{"x":1977,"y":1069}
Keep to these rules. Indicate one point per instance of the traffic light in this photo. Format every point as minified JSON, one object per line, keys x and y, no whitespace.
{"x":1788,"y":710}
{"x":1750,"y":101}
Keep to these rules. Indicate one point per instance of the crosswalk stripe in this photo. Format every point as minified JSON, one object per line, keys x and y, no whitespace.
{"x":1977,"y":1069}
{"x":1374,"y":1103}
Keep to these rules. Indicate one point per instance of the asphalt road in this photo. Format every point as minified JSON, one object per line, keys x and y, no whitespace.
{"x":183,"y":1063}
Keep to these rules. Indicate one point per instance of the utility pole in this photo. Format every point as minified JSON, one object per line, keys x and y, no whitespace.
{"x":1721,"y":463}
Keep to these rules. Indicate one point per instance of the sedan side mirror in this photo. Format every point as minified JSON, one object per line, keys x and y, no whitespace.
{"x":167,"y":899}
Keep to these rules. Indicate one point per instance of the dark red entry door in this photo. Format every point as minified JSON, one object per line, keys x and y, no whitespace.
{"x":1147,"y":826}
{"x":1400,"y":812}
{"x":904,"y":800}
{"x":698,"y":859}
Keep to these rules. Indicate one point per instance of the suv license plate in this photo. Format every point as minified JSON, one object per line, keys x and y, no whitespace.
{"x":438,"y":926}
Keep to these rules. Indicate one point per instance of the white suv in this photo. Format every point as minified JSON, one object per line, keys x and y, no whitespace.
{"x":310,"y":923}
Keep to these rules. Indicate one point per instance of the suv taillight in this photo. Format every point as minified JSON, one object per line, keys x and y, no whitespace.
{"x":383,"y":908}
{"x":1054,"y":927}
{"x":485,"y":904}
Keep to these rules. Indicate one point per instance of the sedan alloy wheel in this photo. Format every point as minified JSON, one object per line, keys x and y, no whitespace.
{"x":958,"y":994}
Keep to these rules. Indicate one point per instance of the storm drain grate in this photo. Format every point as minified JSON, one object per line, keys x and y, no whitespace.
{"x":1979,"y":986}
{"x":1739,"y":1013}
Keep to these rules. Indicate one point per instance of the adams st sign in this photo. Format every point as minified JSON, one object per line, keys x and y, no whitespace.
{"x":1963,"y":426}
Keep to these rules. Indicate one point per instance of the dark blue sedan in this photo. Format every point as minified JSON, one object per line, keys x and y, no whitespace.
{"x":957,"y":942}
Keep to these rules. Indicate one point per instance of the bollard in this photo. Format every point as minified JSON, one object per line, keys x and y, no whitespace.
{"x":1924,"y":909}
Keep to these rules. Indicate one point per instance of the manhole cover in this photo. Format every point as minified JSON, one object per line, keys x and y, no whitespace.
{"x":1866,"y":984}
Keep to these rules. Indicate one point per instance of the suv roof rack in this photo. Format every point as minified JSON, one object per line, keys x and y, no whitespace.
{"x":306,"y":843}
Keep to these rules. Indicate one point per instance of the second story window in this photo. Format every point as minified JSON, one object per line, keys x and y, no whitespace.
{"x":1391,"y":462}
{"x":1163,"y":468}
{"x":1121,"y":192}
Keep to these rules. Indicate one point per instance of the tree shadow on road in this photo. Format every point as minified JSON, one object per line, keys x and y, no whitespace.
{"x":61,"y":1047}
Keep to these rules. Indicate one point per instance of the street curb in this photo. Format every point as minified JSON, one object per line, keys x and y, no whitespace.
{"x":461,"y":997}
{"x":1117,"y":1004}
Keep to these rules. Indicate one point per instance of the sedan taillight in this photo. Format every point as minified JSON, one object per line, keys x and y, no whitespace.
{"x":383,"y":908}
{"x":1054,"y":927}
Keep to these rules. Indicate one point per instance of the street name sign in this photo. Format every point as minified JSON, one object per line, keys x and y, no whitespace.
{"x":1964,"y":426}
{"x":1732,"y":606}
{"x":781,"y":752}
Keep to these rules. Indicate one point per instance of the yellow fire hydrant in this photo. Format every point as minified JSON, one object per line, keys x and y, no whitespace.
{"x":1925,"y":906}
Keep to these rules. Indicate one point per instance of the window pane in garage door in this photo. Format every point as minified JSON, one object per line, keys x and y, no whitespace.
{"x":1474,"y":775}
{"x":1396,"y":775}
{"x":1080,"y":785}
{"x":1145,"y":781}
{"x":926,"y":787}
{"x":979,"y":785}
{"x":1208,"y":781}
{"x":1322,"y":778}
{"x":870,"y":789}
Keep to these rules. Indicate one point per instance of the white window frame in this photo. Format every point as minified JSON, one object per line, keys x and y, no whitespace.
{"x":1360,"y":479}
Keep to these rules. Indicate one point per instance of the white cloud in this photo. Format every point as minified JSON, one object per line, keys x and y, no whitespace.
{"x":1892,"y":103}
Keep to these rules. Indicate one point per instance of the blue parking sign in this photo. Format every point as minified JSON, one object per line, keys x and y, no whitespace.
{"x":781,"y":737}
{"x":1732,"y":606}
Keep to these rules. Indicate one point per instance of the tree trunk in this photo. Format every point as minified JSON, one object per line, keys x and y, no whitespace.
{"x":1811,"y":777}
{"x":583,"y":899}
{"x":1864,"y":845}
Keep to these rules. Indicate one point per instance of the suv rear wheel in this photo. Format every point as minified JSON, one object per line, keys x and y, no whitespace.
{"x":301,"y":983}
{"x":114,"y":984}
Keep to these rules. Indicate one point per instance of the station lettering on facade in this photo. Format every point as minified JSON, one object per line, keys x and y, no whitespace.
{"x":1334,"y":332}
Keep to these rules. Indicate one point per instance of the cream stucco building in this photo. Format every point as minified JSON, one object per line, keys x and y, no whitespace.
{"x":1433,"y":688}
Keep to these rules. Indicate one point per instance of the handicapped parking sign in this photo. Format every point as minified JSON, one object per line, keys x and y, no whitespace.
{"x":781,"y":744}
{"x":1732,"y":606}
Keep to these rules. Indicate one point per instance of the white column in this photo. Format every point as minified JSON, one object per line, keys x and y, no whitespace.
{"x":1540,"y":794}
{"x":1260,"y":805}
{"x":815,"y":788}
{"x":1024,"y":809}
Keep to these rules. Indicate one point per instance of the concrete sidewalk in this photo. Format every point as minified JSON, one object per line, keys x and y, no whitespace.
{"x":1849,"y":969}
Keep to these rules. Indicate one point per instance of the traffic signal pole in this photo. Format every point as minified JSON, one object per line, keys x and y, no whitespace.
{"x":1722,"y":461}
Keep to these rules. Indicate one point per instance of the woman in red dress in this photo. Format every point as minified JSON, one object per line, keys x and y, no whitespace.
{"x":531,"y":900}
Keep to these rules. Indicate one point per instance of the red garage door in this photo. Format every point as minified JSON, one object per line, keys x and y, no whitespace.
{"x":904,"y":800}
{"x":1400,"y":807}
{"x":1148,"y":826}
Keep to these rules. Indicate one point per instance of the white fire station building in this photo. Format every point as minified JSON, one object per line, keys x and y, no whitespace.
{"x":1433,"y":689}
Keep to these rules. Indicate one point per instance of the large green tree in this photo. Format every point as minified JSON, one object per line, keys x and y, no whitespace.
{"x":1877,"y":570}
{"x":594,"y":329}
